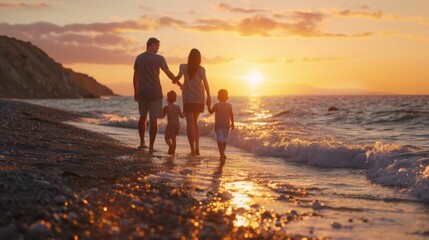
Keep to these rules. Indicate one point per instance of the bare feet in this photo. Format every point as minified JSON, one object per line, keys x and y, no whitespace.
{"x":197,"y":151}
{"x":170,"y":151}
{"x":222,"y":161}
{"x":142,"y":146}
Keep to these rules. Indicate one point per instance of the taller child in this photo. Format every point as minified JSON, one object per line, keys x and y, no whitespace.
{"x":147,"y":89}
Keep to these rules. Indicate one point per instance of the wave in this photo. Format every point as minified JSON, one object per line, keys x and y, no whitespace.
{"x":110,"y":119}
{"x":393,"y":165}
{"x":282,"y":113}
{"x":398,"y":116}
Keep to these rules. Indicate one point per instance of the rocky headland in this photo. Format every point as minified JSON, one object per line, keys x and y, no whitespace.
{"x":28,"y":72}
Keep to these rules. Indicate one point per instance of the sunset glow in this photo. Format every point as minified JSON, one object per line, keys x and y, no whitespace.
{"x":254,"y":78}
{"x":280,"y":47}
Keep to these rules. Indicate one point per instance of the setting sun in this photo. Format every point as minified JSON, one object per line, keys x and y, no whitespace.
{"x":254,"y":78}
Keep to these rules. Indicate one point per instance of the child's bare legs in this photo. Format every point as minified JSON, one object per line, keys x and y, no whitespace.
{"x":168,"y":140}
{"x":173,"y":146}
{"x":222,"y":146}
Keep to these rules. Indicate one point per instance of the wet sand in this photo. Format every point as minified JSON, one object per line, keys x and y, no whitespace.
{"x":60,"y":181}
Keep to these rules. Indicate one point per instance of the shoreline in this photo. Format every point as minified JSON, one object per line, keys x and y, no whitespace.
{"x":59,"y":181}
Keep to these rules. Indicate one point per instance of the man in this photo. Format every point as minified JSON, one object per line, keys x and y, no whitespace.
{"x":148,"y":91}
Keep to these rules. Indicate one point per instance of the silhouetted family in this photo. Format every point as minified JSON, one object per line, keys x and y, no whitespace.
{"x":148,"y":94}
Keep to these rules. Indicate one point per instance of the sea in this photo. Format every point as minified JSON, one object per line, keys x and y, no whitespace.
{"x":362,"y":162}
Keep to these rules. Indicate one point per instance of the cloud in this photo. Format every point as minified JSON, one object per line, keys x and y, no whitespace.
{"x":304,"y":24}
{"x":69,"y":54}
{"x":265,"y":60}
{"x":215,"y":60}
{"x":80,"y":43}
{"x":377,"y":15}
{"x":350,"y":13}
{"x":109,"y":43}
{"x":22,"y":5}
{"x":229,"y":8}
{"x":321,"y":59}
{"x":168,"y":21}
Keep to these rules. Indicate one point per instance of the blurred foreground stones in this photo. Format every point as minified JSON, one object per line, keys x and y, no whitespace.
{"x":61,"y":182}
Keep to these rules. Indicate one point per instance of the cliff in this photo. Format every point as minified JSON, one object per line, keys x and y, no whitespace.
{"x":28,"y":72}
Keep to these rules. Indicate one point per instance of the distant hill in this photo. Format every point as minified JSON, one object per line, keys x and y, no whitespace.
{"x":28,"y":72}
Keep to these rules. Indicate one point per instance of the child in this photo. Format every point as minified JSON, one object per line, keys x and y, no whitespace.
{"x":172,"y":130}
{"x":224,"y":120}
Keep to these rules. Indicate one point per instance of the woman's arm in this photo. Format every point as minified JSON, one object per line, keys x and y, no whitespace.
{"x":179,"y":76}
{"x":181,"y":114}
{"x":164,"y":111}
{"x":211,"y":110}
{"x":206,"y":86}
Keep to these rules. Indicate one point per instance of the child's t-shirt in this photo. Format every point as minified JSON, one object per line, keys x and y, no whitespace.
{"x":173,"y":115}
{"x":222,"y":120}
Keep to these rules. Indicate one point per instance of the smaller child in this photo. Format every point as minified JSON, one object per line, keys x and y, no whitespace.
{"x":224,"y":120}
{"x":173,"y":126}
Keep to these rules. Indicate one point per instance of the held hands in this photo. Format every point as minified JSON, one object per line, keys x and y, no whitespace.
{"x":178,"y":83}
{"x":232,"y":126}
{"x":208,"y":101}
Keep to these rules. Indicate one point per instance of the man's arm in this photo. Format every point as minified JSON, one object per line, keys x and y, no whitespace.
{"x":136,"y":85}
{"x":166,"y":70}
{"x":170,"y":75}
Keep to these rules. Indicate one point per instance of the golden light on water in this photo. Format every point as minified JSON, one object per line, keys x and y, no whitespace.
{"x":242,"y":194}
{"x":241,"y":200}
{"x":241,"y":221}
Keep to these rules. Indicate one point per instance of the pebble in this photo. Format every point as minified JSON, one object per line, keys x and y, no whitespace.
{"x":9,"y":232}
{"x":42,"y":182}
{"x":336,"y":225}
{"x":118,"y":186}
{"x":186,"y":171}
{"x":317,"y":205}
{"x":266,"y":215}
{"x":92,"y":190}
{"x":60,"y":199}
{"x":40,"y":228}
{"x":226,"y":196}
{"x":283,"y":198}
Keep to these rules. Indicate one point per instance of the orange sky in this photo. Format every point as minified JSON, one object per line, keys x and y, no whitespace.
{"x":248,"y":47}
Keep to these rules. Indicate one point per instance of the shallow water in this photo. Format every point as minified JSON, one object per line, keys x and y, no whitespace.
{"x":386,"y":137}
{"x":348,"y":205}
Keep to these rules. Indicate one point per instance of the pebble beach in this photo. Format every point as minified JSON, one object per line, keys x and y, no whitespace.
{"x":58,"y":181}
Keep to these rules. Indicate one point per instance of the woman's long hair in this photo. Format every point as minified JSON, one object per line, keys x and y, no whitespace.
{"x":194,"y":61}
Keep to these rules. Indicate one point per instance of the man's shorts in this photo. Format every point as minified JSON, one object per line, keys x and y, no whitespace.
{"x":221,"y":134}
{"x":153,"y":107}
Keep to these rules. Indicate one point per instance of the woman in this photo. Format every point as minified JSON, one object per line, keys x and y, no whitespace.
{"x":193,"y":96}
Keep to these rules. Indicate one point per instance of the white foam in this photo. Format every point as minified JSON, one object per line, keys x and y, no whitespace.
{"x":387,"y":164}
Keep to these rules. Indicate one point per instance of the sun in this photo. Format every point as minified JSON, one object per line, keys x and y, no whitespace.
{"x":254,"y":78}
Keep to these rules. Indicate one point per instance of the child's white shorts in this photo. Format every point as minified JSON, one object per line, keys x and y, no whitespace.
{"x":221,"y":134}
